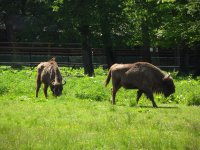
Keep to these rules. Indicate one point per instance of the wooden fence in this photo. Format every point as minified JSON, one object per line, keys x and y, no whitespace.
{"x":28,"y":53}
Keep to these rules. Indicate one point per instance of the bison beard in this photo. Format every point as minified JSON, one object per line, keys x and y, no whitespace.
{"x":143,"y":76}
{"x":49,"y":74}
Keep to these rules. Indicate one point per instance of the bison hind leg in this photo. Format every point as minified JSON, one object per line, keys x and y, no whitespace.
{"x":45,"y":90}
{"x":150,"y":96}
{"x":38,"y":88}
{"x":116,"y":87}
{"x":38,"y":84}
{"x":114,"y":91}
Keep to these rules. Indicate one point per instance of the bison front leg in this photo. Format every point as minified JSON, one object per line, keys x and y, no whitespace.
{"x":153,"y":102}
{"x":150,"y":96}
{"x":45,"y":90}
{"x":139,"y":94}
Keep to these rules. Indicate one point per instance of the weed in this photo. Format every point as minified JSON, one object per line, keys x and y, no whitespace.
{"x":3,"y":89}
{"x":194,"y":99}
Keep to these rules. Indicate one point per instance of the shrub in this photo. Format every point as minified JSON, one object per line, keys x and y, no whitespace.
{"x":194,"y":100}
{"x":100,"y":71}
{"x":91,"y":88}
{"x":3,"y":89}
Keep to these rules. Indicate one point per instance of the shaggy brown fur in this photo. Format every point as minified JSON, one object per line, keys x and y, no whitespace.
{"x":143,"y":76}
{"x":49,"y":74}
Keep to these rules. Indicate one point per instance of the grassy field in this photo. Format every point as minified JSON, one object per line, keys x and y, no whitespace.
{"x":83,"y":118}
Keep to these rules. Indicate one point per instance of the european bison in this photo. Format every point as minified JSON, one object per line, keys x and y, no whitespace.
{"x":143,"y":76}
{"x":49,"y":74}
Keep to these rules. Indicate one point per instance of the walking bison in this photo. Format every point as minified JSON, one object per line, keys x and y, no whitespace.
{"x":145,"y":77}
{"x":49,"y":74}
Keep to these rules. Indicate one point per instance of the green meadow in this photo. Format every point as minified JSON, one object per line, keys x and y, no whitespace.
{"x":83,"y":117}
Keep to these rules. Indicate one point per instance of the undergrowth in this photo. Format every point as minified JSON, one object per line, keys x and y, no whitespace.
{"x":19,"y":83}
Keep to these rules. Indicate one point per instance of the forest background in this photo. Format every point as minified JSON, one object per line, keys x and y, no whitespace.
{"x":107,"y":24}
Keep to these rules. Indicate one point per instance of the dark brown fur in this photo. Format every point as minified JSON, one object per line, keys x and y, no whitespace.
{"x":49,"y":74}
{"x":143,"y":76}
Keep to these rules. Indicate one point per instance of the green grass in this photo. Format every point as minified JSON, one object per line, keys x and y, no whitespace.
{"x":83,"y":118}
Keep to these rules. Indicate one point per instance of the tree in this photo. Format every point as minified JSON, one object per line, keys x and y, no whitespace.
{"x":109,"y":24}
{"x":111,"y":20}
{"x":86,"y":49}
{"x":105,"y":26}
{"x":145,"y":17}
{"x":181,"y":28}
{"x":81,"y":13}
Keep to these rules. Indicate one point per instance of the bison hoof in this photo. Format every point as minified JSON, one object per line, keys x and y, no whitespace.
{"x":155,"y":106}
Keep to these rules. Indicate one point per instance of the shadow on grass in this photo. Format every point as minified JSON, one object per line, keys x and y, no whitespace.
{"x":162,"y":107}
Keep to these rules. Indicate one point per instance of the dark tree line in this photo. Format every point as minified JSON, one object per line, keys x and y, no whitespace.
{"x":105,"y":23}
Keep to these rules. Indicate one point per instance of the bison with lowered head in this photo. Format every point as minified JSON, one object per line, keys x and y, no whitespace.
{"x":143,"y":76}
{"x":49,"y":74}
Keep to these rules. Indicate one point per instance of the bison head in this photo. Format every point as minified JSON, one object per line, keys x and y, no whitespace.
{"x":168,"y":85}
{"x":57,"y":88}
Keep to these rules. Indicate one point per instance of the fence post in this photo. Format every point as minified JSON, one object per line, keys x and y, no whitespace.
{"x":30,"y":54}
{"x":49,"y":50}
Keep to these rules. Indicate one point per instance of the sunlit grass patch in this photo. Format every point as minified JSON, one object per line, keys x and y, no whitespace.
{"x":83,"y":117}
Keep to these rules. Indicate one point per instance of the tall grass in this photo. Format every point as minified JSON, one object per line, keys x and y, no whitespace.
{"x":83,"y":118}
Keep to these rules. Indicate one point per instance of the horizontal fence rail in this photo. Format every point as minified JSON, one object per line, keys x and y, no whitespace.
{"x":70,"y":54}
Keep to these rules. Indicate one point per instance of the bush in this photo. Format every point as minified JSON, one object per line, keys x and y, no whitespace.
{"x":91,"y":88}
{"x":100,"y":71}
{"x":3,"y":89}
{"x":194,"y":100}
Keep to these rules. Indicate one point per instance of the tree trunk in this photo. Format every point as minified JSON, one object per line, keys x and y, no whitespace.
{"x":107,"y":42}
{"x":183,"y":61}
{"x":9,"y":28}
{"x":183,"y":50}
{"x":197,"y":61}
{"x":106,"y":33}
{"x":110,"y":60}
{"x":86,"y":50}
{"x":146,"y":41}
{"x":10,"y":34}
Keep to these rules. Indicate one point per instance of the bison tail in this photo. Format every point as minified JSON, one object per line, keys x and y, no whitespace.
{"x":108,"y":78}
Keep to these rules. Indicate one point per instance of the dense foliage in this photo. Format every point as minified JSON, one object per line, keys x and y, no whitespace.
{"x":108,"y":24}
{"x":115,"y":22}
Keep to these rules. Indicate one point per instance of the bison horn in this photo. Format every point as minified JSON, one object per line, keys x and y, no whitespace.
{"x":166,"y":77}
{"x":52,"y":82}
